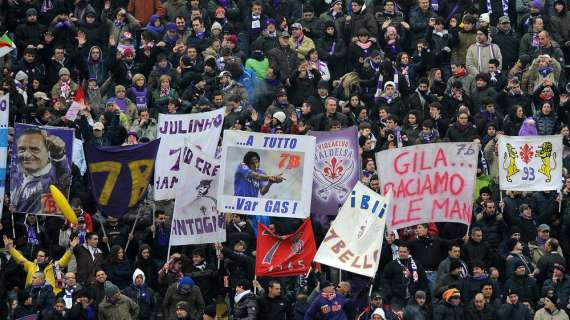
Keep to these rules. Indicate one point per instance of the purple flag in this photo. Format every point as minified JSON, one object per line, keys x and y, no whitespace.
{"x":337,"y":167}
{"x":121,"y":175}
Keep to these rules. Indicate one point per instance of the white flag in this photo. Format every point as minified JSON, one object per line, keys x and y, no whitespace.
{"x":530,"y":163}
{"x":196,"y":219}
{"x":4,"y":109}
{"x":354,"y":240}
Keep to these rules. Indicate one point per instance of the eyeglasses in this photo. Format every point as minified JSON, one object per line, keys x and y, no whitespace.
{"x":456,"y":297}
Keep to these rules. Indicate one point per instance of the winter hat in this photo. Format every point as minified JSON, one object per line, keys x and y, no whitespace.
{"x":270,"y":21}
{"x":389,"y":83}
{"x":210,"y":311}
{"x":63,"y":71}
{"x":31,"y":12}
{"x":185,"y":284}
{"x":216,"y":25}
{"x":449,"y":293}
{"x":485,"y":17}
{"x":512,"y":291}
{"x":485,"y":190}
{"x":171,"y":26}
{"x":280,"y":115}
{"x":485,"y":31}
{"x":420,"y":294}
{"x":536,"y":4}
{"x":379,"y":312}
{"x":183,"y":305}
{"x":552,"y":296}
{"x":21,"y":76}
{"x":560,"y":267}
{"x":110,"y":289}
{"x":138,"y":272}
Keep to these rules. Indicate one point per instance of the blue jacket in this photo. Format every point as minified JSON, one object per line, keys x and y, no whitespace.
{"x":327,"y":309}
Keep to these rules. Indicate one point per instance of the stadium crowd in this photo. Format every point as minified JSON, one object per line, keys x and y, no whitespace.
{"x":403,"y":72}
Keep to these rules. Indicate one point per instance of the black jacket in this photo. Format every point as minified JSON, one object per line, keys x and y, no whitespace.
{"x":274,"y":308}
{"x":246,"y":308}
{"x":446,"y":311}
{"x":398,"y":286}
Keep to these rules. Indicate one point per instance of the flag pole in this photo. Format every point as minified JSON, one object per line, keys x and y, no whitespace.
{"x":255,"y":287}
{"x":371,"y":286}
{"x":104,"y":232}
{"x":133,"y":228}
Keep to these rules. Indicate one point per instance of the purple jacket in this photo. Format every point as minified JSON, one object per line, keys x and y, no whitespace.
{"x":327,"y":309}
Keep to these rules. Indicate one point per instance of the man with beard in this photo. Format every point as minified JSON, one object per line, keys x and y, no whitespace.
{"x":42,"y":263}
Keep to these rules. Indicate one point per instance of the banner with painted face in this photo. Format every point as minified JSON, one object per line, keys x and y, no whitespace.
{"x":430,"y":182}
{"x":203,"y":130}
{"x":337,"y":168}
{"x":41,"y":157}
{"x":354,"y":240}
{"x":196,"y":218}
{"x":120,"y":175}
{"x":530,"y":163}
{"x":4,"y":109}
{"x":266,"y":174}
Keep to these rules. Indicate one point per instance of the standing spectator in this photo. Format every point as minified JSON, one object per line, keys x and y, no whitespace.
{"x":513,"y":309}
{"x":42,"y":263}
{"x":116,"y":305}
{"x":450,"y":307}
{"x":89,"y":258}
{"x":403,"y":276}
{"x":245,"y":307}
{"x":479,"y":53}
{"x":142,"y":295}
{"x":273,"y":305}
{"x":183,"y":290}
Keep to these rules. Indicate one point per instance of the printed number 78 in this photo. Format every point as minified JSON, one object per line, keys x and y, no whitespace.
{"x":140,"y":173}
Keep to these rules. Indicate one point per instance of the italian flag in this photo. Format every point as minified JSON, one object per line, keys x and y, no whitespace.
{"x":6,"y":45}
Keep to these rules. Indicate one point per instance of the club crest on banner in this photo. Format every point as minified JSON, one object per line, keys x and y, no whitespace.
{"x":336,"y":164}
{"x":530,"y":163}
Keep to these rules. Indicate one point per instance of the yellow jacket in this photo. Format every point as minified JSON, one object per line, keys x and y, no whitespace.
{"x":32,"y":267}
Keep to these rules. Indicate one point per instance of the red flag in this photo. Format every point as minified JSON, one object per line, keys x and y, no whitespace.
{"x":283,"y":256}
{"x":79,"y":95}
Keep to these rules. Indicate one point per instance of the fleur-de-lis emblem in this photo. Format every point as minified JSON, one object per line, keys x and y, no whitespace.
{"x":526,"y":153}
{"x":333,"y":170}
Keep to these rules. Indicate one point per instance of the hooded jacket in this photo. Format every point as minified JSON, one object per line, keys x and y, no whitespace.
{"x":183,"y":290}
{"x":142,"y":295}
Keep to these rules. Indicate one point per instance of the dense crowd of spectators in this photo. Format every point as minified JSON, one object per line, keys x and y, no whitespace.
{"x":404,"y":72}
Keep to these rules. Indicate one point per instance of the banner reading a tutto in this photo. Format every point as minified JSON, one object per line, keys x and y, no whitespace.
{"x":202,"y":129}
{"x":266,"y":174}
{"x":120,"y":175}
{"x":196,"y":218}
{"x":354,"y":240}
{"x":337,"y":168}
{"x":530,"y":163}
{"x":41,"y":157}
{"x":284,"y":256}
{"x":430,"y":182}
